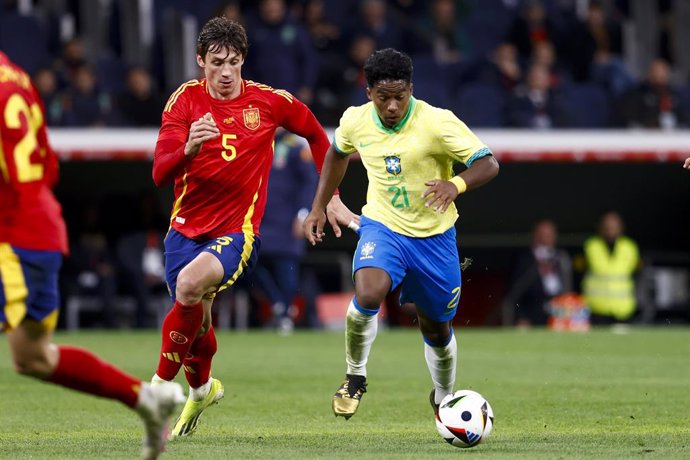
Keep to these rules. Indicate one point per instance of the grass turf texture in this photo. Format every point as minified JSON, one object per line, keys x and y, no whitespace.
{"x":593,"y":395}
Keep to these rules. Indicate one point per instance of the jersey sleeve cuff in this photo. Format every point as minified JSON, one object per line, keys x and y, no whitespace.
{"x":481,"y":153}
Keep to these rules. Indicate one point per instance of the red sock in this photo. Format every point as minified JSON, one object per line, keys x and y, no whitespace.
{"x":81,"y":370}
{"x":197,"y":363}
{"x":179,"y":329}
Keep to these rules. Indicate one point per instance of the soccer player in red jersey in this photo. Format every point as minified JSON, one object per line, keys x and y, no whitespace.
{"x":33,"y":239}
{"x":216,"y":144}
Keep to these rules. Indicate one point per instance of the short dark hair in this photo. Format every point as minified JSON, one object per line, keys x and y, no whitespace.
{"x":387,"y":64}
{"x":219,"y":33}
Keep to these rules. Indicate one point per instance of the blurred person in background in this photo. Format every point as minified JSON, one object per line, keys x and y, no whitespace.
{"x":532,"y":26}
{"x":595,"y":50}
{"x":501,"y":67}
{"x":611,"y":259}
{"x":141,"y":104}
{"x":279,"y":41}
{"x":290,"y":190}
{"x":535,"y":104}
{"x":654,"y":103}
{"x":46,"y":83}
{"x":90,"y":270}
{"x":33,"y":241}
{"x":83,"y":102}
{"x":216,"y":146}
{"x":376,"y":21}
{"x":443,"y":34}
{"x":541,"y":272}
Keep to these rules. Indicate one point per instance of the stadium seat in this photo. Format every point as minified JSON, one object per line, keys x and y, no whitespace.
{"x":23,"y":40}
{"x":481,"y":105}
{"x":588,"y":106}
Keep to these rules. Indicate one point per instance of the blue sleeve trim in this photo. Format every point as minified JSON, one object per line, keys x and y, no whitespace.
{"x":338,"y":151}
{"x":481,"y":153}
{"x":362,"y":310}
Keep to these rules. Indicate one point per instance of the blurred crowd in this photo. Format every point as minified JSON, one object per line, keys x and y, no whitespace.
{"x":496,"y":63}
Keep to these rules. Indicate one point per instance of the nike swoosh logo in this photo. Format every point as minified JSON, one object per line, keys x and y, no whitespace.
{"x":362,"y":144}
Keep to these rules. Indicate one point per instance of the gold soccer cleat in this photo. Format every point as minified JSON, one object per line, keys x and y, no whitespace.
{"x":346,"y":399}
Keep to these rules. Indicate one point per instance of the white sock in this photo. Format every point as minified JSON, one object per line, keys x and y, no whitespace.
{"x":360,"y":332}
{"x":197,"y":394}
{"x":156,"y":380}
{"x":441,"y":362}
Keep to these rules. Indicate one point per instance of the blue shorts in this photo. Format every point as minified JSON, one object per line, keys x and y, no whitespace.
{"x":428,"y":268}
{"x":237,"y":253}
{"x":28,"y":286}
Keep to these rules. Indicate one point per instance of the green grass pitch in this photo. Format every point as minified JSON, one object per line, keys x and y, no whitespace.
{"x":554,"y":395}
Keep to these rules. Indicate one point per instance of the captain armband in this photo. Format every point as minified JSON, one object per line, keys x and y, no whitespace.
{"x":459,"y":183}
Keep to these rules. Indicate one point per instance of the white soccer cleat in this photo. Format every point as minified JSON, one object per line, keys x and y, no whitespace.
{"x":156,"y":406}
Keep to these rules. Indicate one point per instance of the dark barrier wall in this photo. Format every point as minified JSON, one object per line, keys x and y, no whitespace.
{"x":654,"y":199}
{"x":495,"y":221}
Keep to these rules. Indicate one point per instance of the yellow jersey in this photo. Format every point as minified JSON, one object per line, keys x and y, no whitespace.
{"x":424,"y":145}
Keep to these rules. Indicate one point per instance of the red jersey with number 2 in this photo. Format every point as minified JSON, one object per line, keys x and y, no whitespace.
{"x":223,"y":188}
{"x":30,"y":216}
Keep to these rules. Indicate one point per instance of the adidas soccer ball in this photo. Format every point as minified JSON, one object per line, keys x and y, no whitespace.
{"x":465,"y":418}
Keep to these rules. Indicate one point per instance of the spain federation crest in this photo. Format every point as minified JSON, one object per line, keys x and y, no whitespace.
{"x":393,"y":164}
{"x":252,"y":120}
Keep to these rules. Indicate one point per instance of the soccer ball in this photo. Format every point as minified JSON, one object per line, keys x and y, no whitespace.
{"x":464,"y":418}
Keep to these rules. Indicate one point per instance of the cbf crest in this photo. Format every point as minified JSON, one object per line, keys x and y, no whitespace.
{"x":393,"y":164}
{"x":367,"y":250}
{"x":252,"y":120}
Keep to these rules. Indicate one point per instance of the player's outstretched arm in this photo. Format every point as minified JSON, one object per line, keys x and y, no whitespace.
{"x":441,"y":193}
{"x":332,"y":173}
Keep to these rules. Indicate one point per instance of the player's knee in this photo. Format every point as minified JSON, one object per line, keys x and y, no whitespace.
{"x":32,"y":366}
{"x":188,"y":289}
{"x":371,"y":300}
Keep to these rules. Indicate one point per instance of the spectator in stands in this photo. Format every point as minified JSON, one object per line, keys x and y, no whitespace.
{"x":443,"y":33}
{"x":290,"y":191}
{"x":46,"y":84}
{"x":141,"y":104}
{"x":502,"y":67}
{"x":540,"y":273}
{"x":73,"y":58}
{"x":83,"y":103}
{"x":612,"y":260}
{"x":361,"y":48}
{"x":231,"y":10}
{"x":535,"y":104}
{"x":376,"y":22}
{"x":325,"y":35}
{"x":282,"y":53}
{"x":595,"y":50}
{"x":544,"y":54}
{"x":655,"y":103}
{"x":531,"y":27}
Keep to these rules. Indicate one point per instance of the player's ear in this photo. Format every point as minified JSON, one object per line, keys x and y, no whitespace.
{"x":200,"y":61}
{"x":411,"y":88}
{"x":368,"y":93}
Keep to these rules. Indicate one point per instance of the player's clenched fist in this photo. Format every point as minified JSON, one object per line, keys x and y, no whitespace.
{"x":202,"y":130}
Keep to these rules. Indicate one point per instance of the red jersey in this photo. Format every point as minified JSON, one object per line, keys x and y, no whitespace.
{"x":30,"y":216}
{"x":223,"y":188}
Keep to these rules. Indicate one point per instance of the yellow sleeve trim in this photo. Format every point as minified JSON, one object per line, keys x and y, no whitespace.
{"x":459,"y":183}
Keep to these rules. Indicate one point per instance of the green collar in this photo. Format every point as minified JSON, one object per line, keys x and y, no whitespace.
{"x":400,"y":124}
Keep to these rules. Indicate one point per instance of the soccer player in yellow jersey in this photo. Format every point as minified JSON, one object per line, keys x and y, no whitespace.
{"x":407,"y":234}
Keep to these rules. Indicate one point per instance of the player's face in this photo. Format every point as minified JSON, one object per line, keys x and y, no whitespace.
{"x":391,"y":99}
{"x":223,"y":71}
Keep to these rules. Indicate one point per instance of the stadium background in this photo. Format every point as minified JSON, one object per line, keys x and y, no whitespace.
{"x":592,"y":162}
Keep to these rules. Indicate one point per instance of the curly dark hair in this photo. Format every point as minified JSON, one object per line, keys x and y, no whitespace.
{"x":388,"y":64}
{"x":219,"y":33}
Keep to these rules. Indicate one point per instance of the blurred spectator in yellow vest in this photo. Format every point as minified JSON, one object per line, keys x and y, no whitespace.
{"x":612,"y":260}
